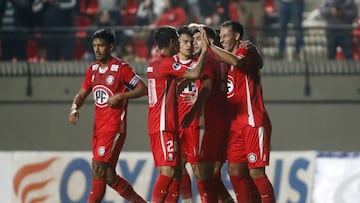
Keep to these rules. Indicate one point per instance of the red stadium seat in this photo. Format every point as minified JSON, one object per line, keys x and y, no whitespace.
{"x":82,"y":22}
{"x":128,"y":14}
{"x":140,"y":48}
{"x":32,"y":50}
{"x":89,"y":7}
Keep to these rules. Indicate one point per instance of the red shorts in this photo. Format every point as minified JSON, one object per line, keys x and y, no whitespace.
{"x":209,"y":146}
{"x":250,"y":145}
{"x":107,"y":145}
{"x":164,"y":147}
{"x":188,"y":136}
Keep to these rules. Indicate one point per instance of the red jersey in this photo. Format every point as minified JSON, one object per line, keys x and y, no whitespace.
{"x":163,"y":73}
{"x":215,"y":111}
{"x":117,"y":77}
{"x":174,"y":17}
{"x":190,"y":91}
{"x":245,"y":94}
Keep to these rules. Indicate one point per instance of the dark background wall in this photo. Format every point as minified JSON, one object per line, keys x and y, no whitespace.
{"x":327,"y":119}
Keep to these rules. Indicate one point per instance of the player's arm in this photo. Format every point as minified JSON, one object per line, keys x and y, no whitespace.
{"x":139,"y":90}
{"x":196,"y":72}
{"x":238,"y":61}
{"x":205,"y":91}
{"x":78,"y":101}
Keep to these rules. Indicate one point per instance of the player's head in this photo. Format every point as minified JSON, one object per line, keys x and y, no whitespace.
{"x":103,"y":43}
{"x":231,"y":32}
{"x":210,"y":33}
{"x":185,"y":42}
{"x":167,"y":37}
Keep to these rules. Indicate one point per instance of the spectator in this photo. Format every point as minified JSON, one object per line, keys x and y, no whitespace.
{"x":145,"y":13}
{"x":57,"y":14}
{"x":252,"y":10}
{"x":14,"y":41}
{"x":339,"y":13}
{"x":173,"y":15}
{"x":290,"y":10}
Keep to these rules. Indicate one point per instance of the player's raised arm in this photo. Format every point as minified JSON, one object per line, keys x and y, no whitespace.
{"x":195,"y":73}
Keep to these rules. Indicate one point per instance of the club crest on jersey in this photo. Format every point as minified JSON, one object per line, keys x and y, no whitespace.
{"x":101,"y":95}
{"x":110,"y":80}
{"x":230,"y":86}
{"x":176,"y":66}
{"x":252,"y":158}
{"x":101,"y":150}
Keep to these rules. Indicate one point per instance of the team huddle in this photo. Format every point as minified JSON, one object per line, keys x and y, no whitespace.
{"x":205,"y":108}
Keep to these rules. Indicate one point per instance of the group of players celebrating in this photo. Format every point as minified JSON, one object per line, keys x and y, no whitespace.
{"x":205,"y":108}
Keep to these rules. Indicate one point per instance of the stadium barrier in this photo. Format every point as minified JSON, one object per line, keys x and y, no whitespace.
{"x":65,"y":177}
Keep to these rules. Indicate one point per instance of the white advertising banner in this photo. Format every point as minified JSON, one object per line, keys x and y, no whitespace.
{"x":337,"y":178}
{"x":65,"y":177}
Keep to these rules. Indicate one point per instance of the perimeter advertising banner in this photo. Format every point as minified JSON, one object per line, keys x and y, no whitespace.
{"x":65,"y":177}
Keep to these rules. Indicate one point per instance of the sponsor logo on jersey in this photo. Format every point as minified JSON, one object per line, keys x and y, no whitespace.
{"x":176,"y":66}
{"x":101,"y":150}
{"x":230,"y":86}
{"x":252,"y":158}
{"x":95,"y":67}
{"x":110,"y":80}
{"x":149,"y":69}
{"x":101,"y":95}
{"x":114,"y":67}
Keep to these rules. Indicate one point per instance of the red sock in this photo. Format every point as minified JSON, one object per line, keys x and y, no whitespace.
{"x":222,"y":192}
{"x":241,"y":188}
{"x":160,"y":189}
{"x":185,"y":187}
{"x":254,"y":193}
{"x":126,"y":190}
{"x":265,"y":189}
{"x":173,"y":192}
{"x":207,"y":191}
{"x":97,"y":190}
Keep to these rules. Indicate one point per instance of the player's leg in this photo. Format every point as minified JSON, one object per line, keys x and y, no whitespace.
{"x":238,"y":169}
{"x":258,"y":157}
{"x":98,"y":183}
{"x":167,"y":162}
{"x":223,"y":194}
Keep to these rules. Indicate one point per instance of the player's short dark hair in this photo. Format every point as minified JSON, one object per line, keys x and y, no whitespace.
{"x":163,"y":35}
{"x":235,"y":26}
{"x":106,"y":34}
{"x":210,"y":33}
{"x":184,"y":30}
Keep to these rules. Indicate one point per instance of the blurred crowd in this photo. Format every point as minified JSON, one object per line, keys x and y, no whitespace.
{"x":60,"y":29}
{"x":39,"y":30}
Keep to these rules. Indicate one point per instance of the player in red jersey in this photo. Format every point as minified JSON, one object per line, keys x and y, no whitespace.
{"x":186,"y":99}
{"x":212,"y":104}
{"x":163,"y":127}
{"x":250,"y":131}
{"x":112,"y":82}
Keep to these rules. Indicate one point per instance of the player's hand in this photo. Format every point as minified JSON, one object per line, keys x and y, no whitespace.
{"x":190,"y":98}
{"x":188,"y":118}
{"x":115,"y":100}
{"x":74,"y":117}
{"x":205,"y":42}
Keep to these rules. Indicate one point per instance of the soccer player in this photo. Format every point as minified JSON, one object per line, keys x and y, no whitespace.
{"x":189,"y":92}
{"x":163,"y":127}
{"x":250,"y":131}
{"x":212,"y":104}
{"x":112,"y":82}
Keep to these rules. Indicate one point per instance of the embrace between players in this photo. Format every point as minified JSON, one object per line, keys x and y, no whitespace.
{"x":205,"y":108}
